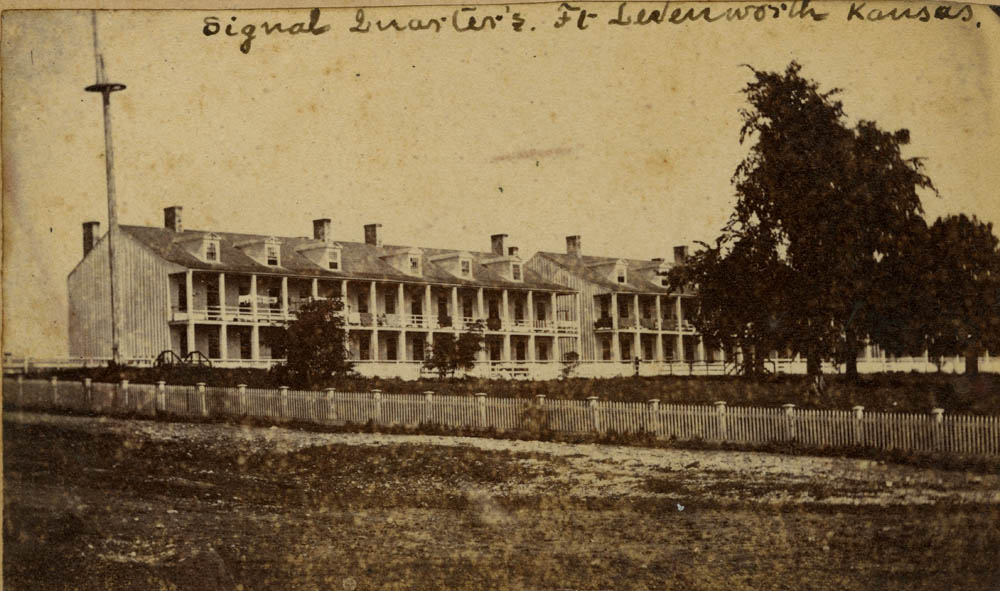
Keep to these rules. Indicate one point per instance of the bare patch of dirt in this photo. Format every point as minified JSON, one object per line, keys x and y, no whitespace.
{"x":113,"y":504}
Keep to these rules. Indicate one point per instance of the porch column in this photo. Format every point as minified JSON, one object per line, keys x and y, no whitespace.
{"x":506,"y":346}
{"x":343,"y":293}
{"x":223,"y":328}
{"x":679,"y":348}
{"x":190,"y":336}
{"x":637,"y":342}
{"x":401,"y":346}
{"x":456,"y":319}
{"x":614,"y":311}
{"x":679,"y":313}
{"x":253,"y":298}
{"x":373,"y":310}
{"x":315,"y":288}
{"x":505,"y":315}
{"x":255,"y":342}
{"x":616,"y":352}
{"x":284,"y":298}
{"x":556,"y":352}
{"x":531,"y":347}
{"x":699,"y":354}
{"x":531,"y":314}
{"x":400,"y":302}
{"x":554,"y":313}
{"x":189,"y":294}
{"x":427,"y":310}
{"x":659,"y":323}
{"x":635,"y":311}
{"x":480,"y":304}
{"x":659,"y":345}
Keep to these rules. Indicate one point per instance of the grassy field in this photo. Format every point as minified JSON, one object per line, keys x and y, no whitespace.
{"x":878,"y":392}
{"x":112,"y":504}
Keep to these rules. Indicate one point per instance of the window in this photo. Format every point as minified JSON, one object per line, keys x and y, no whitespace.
{"x":213,"y":347}
{"x":390,"y":303}
{"x":211,"y":251}
{"x":362,"y":306}
{"x":515,"y":272}
{"x":543,"y":351}
{"x":665,"y":282}
{"x":467,"y":307}
{"x":182,"y":299}
{"x":622,"y":275}
{"x":415,"y":265}
{"x":623,"y":309}
{"x":363,"y":347}
{"x":540,"y":311}
{"x":442,"y":307}
{"x":390,"y":349}
{"x":333,"y":259}
{"x":518,"y":311}
{"x":272,"y":256}
{"x":466,"y":268}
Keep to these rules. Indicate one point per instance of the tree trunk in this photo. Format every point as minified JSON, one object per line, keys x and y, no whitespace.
{"x":814,"y":366}
{"x":972,"y":362}
{"x":851,"y":353}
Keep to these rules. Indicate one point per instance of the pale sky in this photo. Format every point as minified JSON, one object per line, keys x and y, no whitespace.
{"x":626,"y":136}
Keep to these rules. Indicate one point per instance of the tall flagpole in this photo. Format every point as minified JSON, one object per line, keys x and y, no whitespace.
{"x":106,"y":88}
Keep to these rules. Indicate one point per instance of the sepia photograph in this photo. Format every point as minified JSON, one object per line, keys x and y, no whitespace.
{"x":528,"y":296}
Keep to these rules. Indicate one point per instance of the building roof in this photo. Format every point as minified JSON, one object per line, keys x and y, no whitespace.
{"x":641,"y":274}
{"x":359,"y":260}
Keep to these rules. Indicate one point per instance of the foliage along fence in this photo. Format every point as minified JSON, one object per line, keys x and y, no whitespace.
{"x":935,"y":432}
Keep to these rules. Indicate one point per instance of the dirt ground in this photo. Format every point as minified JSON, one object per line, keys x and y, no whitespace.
{"x":113,"y":504}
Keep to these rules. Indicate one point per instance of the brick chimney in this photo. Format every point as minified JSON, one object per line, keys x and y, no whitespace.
{"x":512,"y":251}
{"x":680,"y":254}
{"x":373,"y":234}
{"x":497,"y":241}
{"x":172,"y":218}
{"x":90,"y":232}
{"x":573,"y":245}
{"x":321,"y":230}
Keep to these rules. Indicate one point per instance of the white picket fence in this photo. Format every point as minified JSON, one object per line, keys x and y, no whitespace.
{"x":965,"y":435}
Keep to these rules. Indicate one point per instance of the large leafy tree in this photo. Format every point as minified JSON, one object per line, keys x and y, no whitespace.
{"x":821,"y":206}
{"x":317,"y":343}
{"x":963,"y":282}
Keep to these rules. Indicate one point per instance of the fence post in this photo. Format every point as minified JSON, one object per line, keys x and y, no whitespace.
{"x":857,"y":425}
{"x":161,"y":397}
{"x":721,"y":420}
{"x":428,"y":401}
{"x":937,"y":414}
{"x":594,"y":417}
{"x":241,"y":399}
{"x":328,"y":396}
{"x":88,"y":394}
{"x":789,"y":421}
{"x":20,"y":391}
{"x":202,"y":403}
{"x":55,"y":391}
{"x":481,"y":402}
{"x":654,"y":416}
{"x":124,"y":388}
{"x":283,"y":393}
{"x":377,"y":396}
{"x":540,"y":400}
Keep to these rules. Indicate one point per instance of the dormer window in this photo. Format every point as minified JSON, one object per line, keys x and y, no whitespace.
{"x":211,"y":251}
{"x":622,"y":274}
{"x":664,"y":282}
{"x":466,"y":267}
{"x":273,"y":255}
{"x":415,"y":265}
{"x":515,"y":271}
{"x":333,"y":259}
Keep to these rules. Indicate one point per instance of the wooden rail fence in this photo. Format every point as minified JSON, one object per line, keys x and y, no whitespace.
{"x":965,"y":435}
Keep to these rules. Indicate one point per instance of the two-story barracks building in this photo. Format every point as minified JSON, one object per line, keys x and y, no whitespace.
{"x":227,"y":295}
